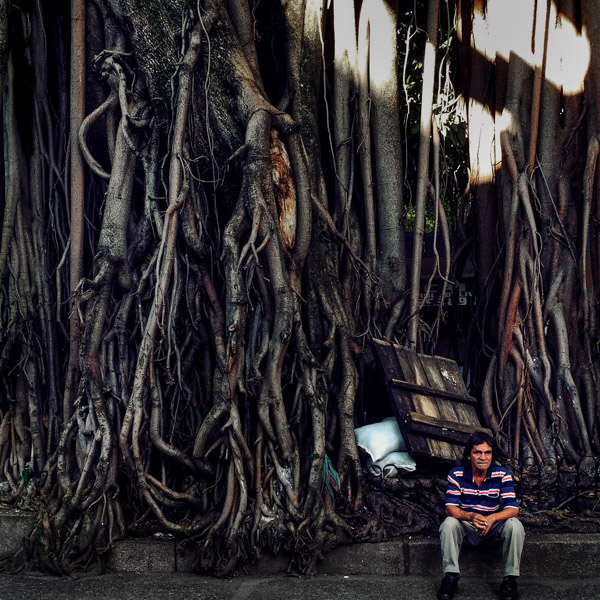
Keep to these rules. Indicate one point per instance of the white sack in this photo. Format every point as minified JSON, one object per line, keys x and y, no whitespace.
{"x":380,"y":439}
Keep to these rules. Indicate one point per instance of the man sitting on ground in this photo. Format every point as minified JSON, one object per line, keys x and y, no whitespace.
{"x":481,"y":505}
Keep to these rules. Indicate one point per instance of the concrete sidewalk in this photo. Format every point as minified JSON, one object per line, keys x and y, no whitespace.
{"x":178,"y":586}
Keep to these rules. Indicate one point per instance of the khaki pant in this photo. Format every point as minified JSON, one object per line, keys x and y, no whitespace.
{"x":454,"y":531}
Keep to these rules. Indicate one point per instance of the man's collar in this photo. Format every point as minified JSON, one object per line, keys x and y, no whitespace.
{"x":468,"y":471}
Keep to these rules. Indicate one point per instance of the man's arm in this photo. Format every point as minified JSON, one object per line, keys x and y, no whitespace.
{"x":482,"y":522}
{"x":460,"y":514}
{"x":464,"y":515}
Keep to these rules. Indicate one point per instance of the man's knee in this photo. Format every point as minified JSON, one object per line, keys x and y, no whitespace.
{"x":513,"y":527}
{"x":450,"y":524}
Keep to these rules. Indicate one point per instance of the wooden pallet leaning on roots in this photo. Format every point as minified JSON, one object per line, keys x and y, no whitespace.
{"x":435,"y":413}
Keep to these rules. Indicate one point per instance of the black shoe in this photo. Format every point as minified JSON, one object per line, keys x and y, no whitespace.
{"x":508,"y":588}
{"x":448,"y":586}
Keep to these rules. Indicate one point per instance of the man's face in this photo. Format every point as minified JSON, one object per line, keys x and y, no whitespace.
{"x":481,"y":457}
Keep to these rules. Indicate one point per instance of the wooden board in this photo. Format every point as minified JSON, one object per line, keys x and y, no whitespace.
{"x":435,"y":413}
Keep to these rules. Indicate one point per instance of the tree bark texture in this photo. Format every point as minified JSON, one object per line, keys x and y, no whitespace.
{"x":540,"y":394}
{"x":180,"y":281}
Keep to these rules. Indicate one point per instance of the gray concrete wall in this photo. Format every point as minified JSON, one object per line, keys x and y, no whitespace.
{"x":546,"y":555}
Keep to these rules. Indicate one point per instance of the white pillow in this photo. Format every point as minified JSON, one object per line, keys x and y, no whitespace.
{"x":380,"y":439}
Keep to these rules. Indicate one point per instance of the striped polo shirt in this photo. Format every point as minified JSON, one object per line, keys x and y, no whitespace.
{"x":496,"y":492}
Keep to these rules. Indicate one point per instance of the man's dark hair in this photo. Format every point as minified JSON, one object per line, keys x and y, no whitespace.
{"x":478,"y":437}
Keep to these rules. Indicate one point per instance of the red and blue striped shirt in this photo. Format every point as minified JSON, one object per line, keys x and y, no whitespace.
{"x":496,"y":493}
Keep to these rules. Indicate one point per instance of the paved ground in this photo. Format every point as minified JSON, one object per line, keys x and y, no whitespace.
{"x":184,"y":586}
{"x":554,"y":567}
